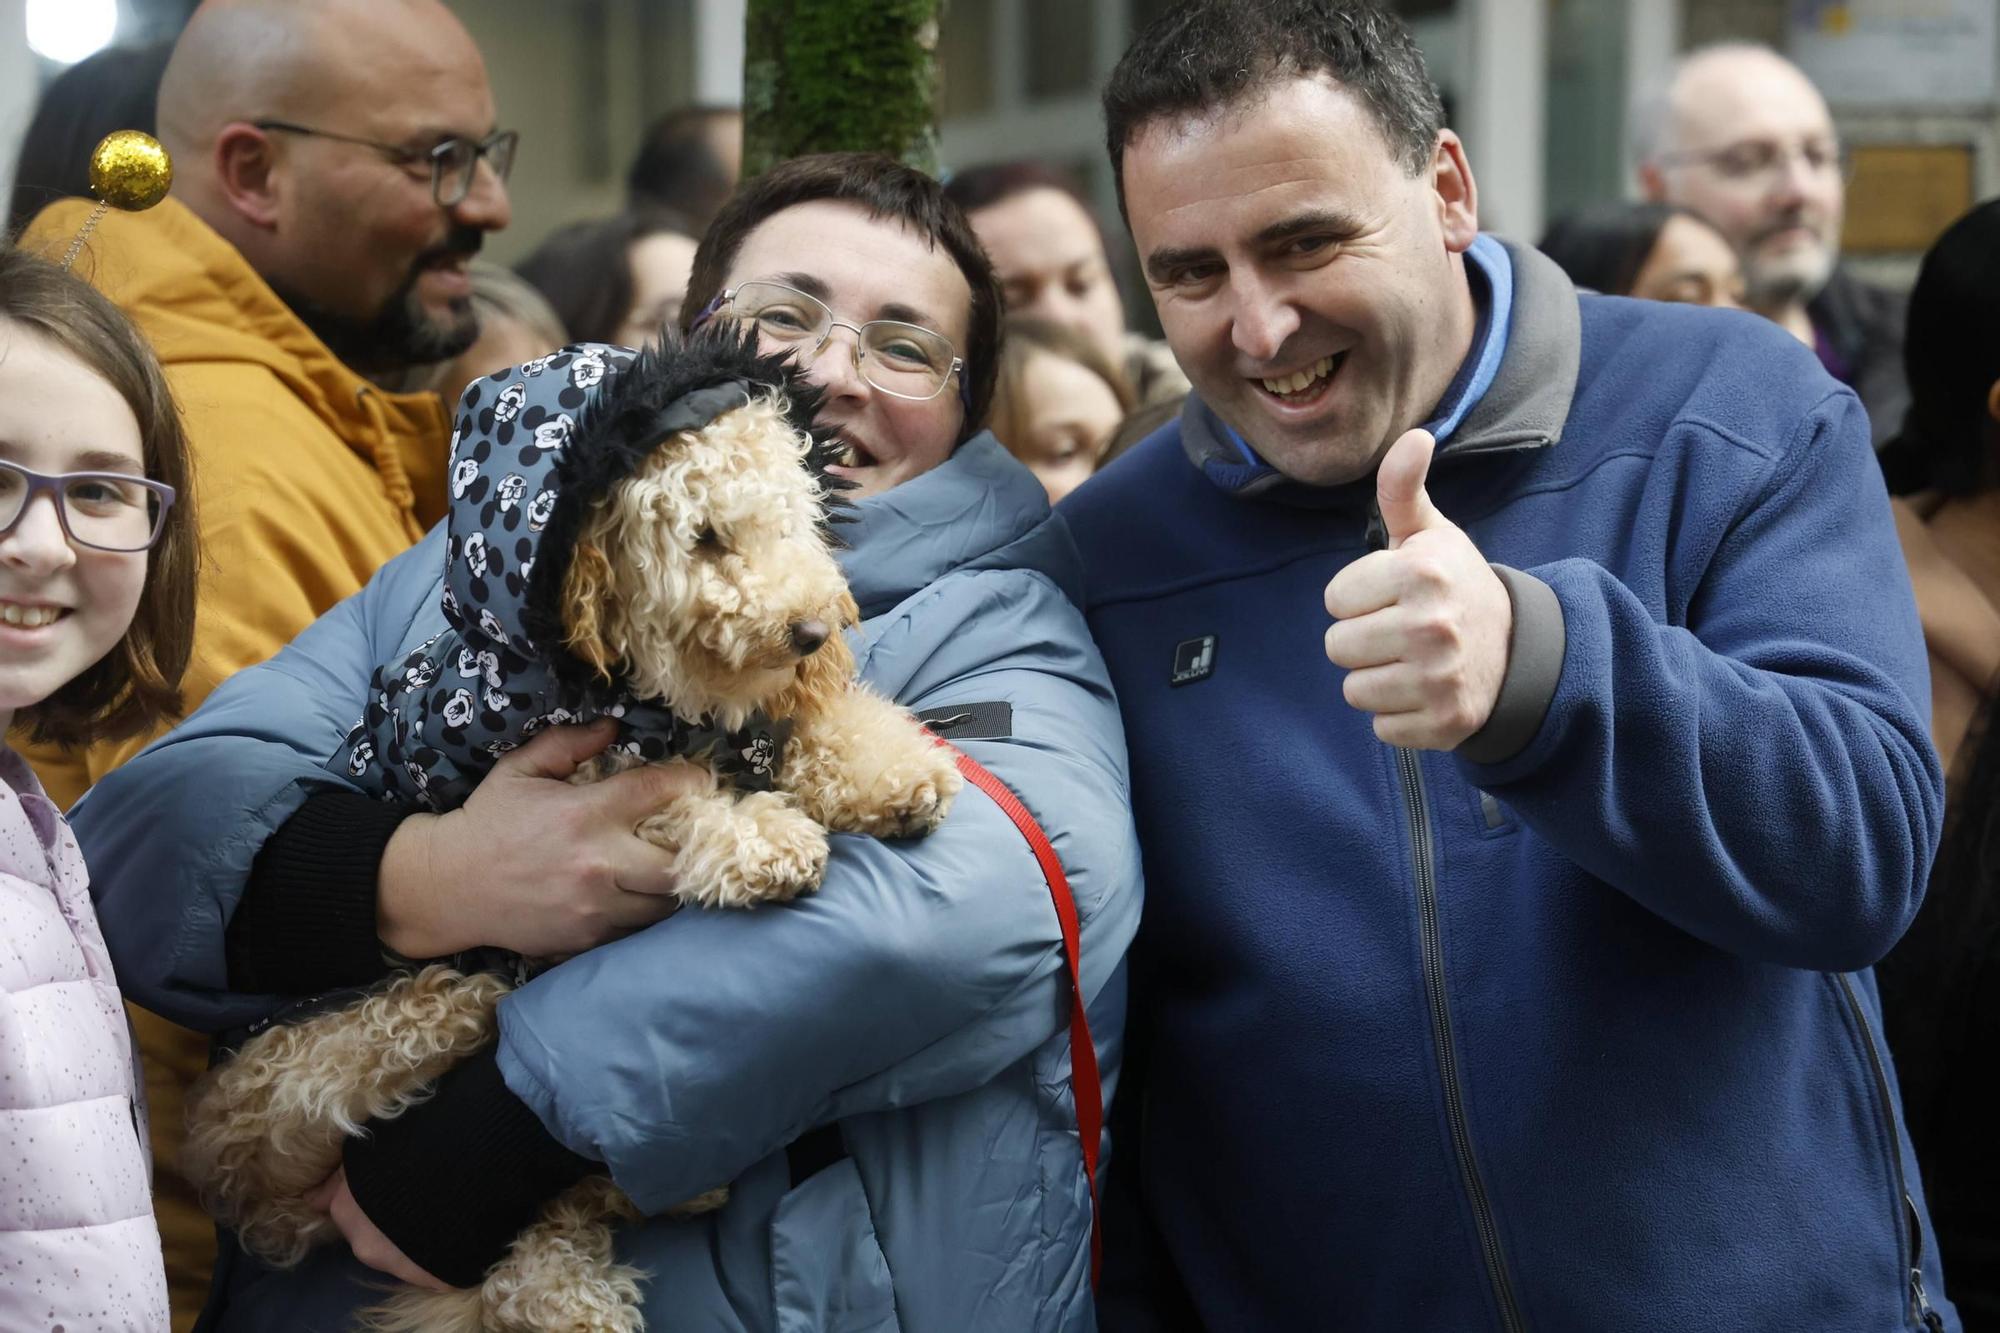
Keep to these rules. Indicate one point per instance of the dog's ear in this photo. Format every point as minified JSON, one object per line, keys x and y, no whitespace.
{"x":586,"y":594}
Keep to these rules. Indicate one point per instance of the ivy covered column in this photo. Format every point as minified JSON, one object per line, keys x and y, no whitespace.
{"x":837,"y":75}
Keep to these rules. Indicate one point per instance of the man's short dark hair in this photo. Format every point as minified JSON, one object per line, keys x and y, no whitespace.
{"x":1207,"y":54}
{"x":887,"y":189}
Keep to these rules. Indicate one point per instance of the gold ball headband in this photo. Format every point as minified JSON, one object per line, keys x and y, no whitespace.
{"x":128,"y":170}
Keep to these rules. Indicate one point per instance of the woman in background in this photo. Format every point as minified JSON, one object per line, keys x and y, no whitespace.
{"x":1941,"y":985}
{"x":1946,"y":463}
{"x":1656,"y":251}
{"x":614,"y":280}
{"x":1058,"y":402}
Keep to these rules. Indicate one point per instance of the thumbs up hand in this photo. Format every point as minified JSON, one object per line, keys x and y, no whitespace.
{"x":1423,"y":626}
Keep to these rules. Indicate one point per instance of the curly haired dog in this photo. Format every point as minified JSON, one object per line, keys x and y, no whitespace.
{"x":642,"y":538}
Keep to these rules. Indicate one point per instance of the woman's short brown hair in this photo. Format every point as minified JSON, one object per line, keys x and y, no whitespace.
{"x":137,"y":685}
{"x":887,"y":189}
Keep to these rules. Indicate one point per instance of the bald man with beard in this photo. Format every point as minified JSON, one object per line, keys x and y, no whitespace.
{"x":1740,"y":135}
{"x":337,"y":164}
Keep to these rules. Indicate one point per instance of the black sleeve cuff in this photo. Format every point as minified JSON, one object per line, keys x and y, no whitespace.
{"x":1535,"y":648}
{"x":307,"y":920}
{"x":454,"y":1179}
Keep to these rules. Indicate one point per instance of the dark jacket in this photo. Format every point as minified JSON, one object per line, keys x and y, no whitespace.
{"x":1580,"y":1037}
{"x":1941,"y":1001}
{"x":1864,"y":324}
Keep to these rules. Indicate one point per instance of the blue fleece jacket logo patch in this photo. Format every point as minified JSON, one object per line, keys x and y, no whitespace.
{"x":1194,"y":659}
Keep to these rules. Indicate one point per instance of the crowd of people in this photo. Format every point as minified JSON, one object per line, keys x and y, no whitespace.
{"x":1556,"y":773}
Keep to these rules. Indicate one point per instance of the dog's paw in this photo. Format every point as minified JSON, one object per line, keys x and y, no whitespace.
{"x":776,"y":853}
{"x":917,"y":796}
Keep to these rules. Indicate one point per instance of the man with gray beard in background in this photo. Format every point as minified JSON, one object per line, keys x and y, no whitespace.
{"x":1741,"y":136}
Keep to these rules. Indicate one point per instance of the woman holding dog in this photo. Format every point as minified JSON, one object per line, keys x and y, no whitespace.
{"x":880,"y":1071}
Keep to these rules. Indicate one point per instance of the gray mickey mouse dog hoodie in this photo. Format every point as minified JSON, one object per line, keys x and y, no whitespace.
{"x":534,"y":447}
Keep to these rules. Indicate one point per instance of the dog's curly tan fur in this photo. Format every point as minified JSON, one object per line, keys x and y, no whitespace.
{"x":690,"y":583}
{"x":267,"y":1126}
{"x":559,"y":1276}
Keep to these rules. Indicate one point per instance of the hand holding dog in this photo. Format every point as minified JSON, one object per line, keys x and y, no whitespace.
{"x":370,"y":1246}
{"x":531,"y":862}
{"x":1423,"y":626}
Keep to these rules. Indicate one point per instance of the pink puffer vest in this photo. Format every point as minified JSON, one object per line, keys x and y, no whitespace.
{"x":78,"y":1247}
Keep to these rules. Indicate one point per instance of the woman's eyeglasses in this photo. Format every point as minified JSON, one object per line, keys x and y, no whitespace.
{"x":902,"y":360}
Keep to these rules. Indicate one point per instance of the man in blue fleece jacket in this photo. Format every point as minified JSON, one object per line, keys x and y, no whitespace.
{"x":1521,"y":818}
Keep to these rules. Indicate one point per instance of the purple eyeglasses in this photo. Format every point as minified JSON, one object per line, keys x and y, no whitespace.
{"x":106,"y":511}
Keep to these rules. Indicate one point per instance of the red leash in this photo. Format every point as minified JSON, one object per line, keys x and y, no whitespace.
{"x":1087,"y":1091}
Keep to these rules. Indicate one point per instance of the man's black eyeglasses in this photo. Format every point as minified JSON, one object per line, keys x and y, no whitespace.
{"x":454,"y":162}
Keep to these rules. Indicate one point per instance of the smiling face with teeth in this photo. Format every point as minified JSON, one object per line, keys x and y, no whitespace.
{"x":62,"y":607}
{"x":1313,"y":290}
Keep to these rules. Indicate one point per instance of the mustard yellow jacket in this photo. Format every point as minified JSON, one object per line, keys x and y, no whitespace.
{"x":310,"y":477}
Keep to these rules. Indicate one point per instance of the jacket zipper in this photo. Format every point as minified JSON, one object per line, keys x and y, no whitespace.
{"x":1919,"y":1312}
{"x":1417,"y":806}
{"x":1421,"y":851}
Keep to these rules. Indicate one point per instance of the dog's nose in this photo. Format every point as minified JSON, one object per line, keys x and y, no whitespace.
{"x":808,"y":635}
